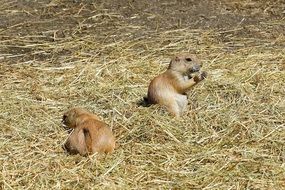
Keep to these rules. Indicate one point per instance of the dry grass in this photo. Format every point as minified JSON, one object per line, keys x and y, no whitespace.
{"x":231,"y":137}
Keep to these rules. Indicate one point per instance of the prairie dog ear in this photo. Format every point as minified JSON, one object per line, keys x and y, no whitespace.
{"x":175,"y":59}
{"x":173,"y":62}
{"x":88,"y":140}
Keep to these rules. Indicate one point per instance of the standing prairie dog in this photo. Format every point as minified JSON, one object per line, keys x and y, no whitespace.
{"x":169,"y":88}
{"x":89,"y":134}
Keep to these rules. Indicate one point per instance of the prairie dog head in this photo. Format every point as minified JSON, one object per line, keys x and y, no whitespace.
{"x":185,"y":64}
{"x":70,"y":118}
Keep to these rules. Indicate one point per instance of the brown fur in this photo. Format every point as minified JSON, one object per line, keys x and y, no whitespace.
{"x":89,"y":134}
{"x":169,"y":88}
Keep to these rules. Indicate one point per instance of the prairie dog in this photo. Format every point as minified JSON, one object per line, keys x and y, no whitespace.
{"x":169,"y":88}
{"x":89,"y":134}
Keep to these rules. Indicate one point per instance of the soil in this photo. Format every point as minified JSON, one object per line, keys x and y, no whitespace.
{"x":46,"y":21}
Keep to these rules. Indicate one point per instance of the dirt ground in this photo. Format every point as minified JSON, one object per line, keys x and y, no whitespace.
{"x":101,"y":55}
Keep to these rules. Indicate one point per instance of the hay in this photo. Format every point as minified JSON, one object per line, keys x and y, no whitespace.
{"x":61,"y":54}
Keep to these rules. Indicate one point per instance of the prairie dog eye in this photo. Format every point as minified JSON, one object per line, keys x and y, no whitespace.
{"x":188,"y":59}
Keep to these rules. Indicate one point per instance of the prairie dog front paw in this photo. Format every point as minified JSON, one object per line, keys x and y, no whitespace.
{"x":201,"y":76}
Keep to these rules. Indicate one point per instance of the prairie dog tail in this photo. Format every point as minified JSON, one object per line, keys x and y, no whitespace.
{"x":144,"y":102}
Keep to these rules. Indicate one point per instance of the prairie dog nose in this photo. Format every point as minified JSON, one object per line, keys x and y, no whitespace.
{"x":196,"y":68}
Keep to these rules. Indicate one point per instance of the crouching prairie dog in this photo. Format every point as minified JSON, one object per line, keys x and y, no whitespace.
{"x":89,"y":134}
{"x":168,"y":89}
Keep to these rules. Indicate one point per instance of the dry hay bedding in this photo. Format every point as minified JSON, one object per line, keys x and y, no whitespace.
{"x":232,"y":135}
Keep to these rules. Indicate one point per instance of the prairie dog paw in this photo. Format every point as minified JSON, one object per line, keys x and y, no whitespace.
{"x":200,"y":77}
{"x":203,"y":75}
